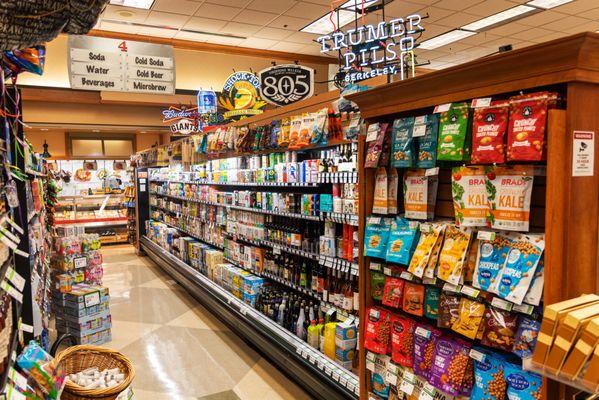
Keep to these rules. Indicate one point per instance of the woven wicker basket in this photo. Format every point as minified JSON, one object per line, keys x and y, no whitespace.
{"x":78,"y":358}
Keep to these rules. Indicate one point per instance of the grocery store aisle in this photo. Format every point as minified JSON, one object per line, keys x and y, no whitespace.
{"x":179,"y":350}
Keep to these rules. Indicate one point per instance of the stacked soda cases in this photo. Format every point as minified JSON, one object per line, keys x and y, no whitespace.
{"x":81,"y":303}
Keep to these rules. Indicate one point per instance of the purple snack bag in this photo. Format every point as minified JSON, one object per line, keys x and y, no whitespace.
{"x":450,"y":364}
{"x":424,"y":349}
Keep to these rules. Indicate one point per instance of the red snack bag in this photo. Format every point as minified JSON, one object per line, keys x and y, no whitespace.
{"x":376,"y":338}
{"x":488,"y":131}
{"x":526,"y":129}
{"x":392,"y":292}
{"x":413,"y":299}
{"x":402,"y":340}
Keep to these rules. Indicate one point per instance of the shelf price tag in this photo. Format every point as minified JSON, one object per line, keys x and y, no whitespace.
{"x":328,"y":370}
{"x":431,"y":171}
{"x":406,"y":275}
{"x":408,"y":382}
{"x":477,"y":355}
{"x":336,"y":376}
{"x":392,"y":374}
{"x":502,"y":304}
{"x":343,"y":381}
{"x":11,"y":291}
{"x":419,"y":130}
{"x":18,"y":379}
{"x":420,"y":331}
{"x":486,"y":235}
{"x":523,"y":308}
{"x":387,"y":271}
{"x":448,"y":287}
{"x":481,"y":102}
{"x":370,"y":360}
{"x":428,"y":392}
{"x":470,"y":291}
{"x":373,"y":130}
{"x":15,"y":278}
{"x":442,"y":108}
{"x":80,"y":262}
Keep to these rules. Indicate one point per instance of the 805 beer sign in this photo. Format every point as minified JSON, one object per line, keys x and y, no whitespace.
{"x":285,"y":84}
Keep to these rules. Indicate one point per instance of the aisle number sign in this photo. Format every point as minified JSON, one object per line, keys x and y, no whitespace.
{"x":123,"y":66}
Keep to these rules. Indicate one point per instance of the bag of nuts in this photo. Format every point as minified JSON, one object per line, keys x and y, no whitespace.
{"x":377,"y":334}
{"x":449,"y":365}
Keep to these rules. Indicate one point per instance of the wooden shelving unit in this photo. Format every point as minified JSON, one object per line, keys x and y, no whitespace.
{"x":565,"y":207}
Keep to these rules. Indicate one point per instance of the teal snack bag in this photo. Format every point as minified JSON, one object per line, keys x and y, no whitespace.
{"x":426,"y":145}
{"x":522,"y":385}
{"x":375,"y":239}
{"x":454,"y":133}
{"x":489,"y":379}
{"x":431,"y":302}
{"x":402,"y":241}
{"x":490,"y":260}
{"x":402,"y":148}
{"x":519,"y":269}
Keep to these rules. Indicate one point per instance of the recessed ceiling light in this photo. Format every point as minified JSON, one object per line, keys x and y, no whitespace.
{"x":145,"y":4}
{"x":498,"y":18}
{"x":444,"y":39}
{"x":547,"y":4}
{"x":125,"y":13}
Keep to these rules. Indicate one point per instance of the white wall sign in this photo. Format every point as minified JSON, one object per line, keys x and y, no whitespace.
{"x":583,"y":153}
{"x":117,"y":65}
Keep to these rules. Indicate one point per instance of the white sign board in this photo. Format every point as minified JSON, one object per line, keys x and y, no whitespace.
{"x":583,"y":153}
{"x":120,"y":65}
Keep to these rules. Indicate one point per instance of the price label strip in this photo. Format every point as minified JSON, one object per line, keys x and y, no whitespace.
{"x":15,"y":278}
{"x":11,"y":291}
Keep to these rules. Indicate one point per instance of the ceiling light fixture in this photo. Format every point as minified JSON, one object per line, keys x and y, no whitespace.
{"x":145,"y":4}
{"x":345,"y":14}
{"x":142,"y":25}
{"x":547,"y":4}
{"x":446,"y":38}
{"x":499,"y":17}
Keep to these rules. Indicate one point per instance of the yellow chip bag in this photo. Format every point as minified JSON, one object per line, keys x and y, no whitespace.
{"x":453,"y":254}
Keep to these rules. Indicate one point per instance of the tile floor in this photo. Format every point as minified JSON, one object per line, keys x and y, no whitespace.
{"x":180,"y":351}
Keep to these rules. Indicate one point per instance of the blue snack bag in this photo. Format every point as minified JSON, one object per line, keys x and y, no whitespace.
{"x":402,"y":241}
{"x":526,"y":338}
{"x":522,"y":385}
{"x":519,"y":269}
{"x":402,"y":148}
{"x":426,"y":145}
{"x":489,"y":378}
{"x":376,"y":236}
{"x":490,"y":260}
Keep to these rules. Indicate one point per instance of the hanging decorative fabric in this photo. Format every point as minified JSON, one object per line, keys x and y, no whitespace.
{"x":27,"y":23}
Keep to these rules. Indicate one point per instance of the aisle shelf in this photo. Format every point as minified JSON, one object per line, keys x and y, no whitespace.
{"x":94,"y":223}
{"x":241,"y":208}
{"x":193,"y":235}
{"x":338,"y":177}
{"x":320,"y":375}
{"x":241,"y":184}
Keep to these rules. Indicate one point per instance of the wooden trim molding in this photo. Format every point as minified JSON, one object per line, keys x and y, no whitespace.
{"x":217,"y":48}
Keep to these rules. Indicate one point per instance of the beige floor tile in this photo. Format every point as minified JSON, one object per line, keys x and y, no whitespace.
{"x":198,"y":318}
{"x":140,"y":394}
{"x":265,"y":381}
{"x":149,"y":305}
{"x":125,"y":332}
{"x":162,"y":283}
{"x":191,"y":361}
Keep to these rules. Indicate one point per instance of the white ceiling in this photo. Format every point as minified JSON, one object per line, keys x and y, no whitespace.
{"x":275,"y":24}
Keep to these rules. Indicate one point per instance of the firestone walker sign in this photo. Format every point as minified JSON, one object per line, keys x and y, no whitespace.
{"x":120,"y":65}
{"x":285,"y":84}
{"x":182,"y":120}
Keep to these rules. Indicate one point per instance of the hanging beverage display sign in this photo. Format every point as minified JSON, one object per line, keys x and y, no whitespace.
{"x":240,"y":96}
{"x":285,"y":84}
{"x":368,"y":51}
{"x":120,"y":65}
{"x":206,"y":101}
{"x":182,"y":120}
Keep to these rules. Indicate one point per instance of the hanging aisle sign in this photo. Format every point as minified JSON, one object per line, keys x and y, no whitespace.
{"x":369,"y":50}
{"x":240,"y":96}
{"x":120,"y":65}
{"x":285,"y":84}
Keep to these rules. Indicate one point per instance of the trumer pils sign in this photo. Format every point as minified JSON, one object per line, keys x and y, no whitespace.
{"x":369,"y":50}
{"x":120,"y":65}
